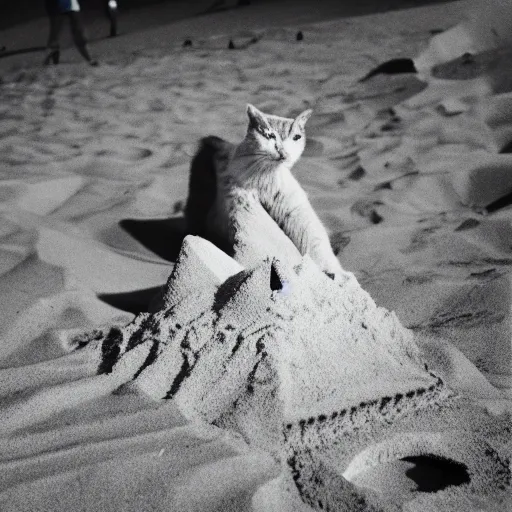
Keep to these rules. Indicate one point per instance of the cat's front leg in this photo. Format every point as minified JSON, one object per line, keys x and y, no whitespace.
{"x":288,"y":204}
{"x":307,"y":231}
{"x":309,"y":235}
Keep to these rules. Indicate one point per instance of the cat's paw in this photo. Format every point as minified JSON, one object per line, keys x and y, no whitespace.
{"x":330,"y":266}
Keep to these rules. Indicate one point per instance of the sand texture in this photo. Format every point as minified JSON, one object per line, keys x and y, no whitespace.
{"x":411,"y":175}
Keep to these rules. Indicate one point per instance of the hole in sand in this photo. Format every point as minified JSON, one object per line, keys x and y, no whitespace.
{"x":400,"y":480}
{"x":376,"y":218}
{"x":432,"y":473}
{"x":141,"y":153}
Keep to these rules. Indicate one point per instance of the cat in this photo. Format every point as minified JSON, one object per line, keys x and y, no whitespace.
{"x":262,"y":164}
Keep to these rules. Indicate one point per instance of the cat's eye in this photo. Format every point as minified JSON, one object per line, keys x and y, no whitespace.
{"x":297,"y":137}
{"x":271,"y":136}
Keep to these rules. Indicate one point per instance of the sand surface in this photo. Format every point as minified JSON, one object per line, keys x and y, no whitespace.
{"x":408,"y":175}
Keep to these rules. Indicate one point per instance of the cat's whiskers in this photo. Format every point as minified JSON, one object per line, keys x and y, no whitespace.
{"x":257,"y":161}
{"x":252,"y":153}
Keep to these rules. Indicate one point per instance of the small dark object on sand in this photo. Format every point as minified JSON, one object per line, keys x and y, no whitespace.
{"x":231,"y":45}
{"x":300,"y":36}
{"x":392,"y":67}
{"x":357,"y":174}
{"x":187,"y":42}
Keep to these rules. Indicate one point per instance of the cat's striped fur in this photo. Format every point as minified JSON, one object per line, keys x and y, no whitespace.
{"x":261,"y":163}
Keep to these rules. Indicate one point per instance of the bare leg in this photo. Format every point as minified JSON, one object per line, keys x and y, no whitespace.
{"x":55,"y":31}
{"x":53,"y":39}
{"x":111,"y":10}
{"x":77,"y":31}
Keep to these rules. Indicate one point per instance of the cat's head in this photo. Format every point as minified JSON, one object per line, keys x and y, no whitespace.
{"x":276,"y":140}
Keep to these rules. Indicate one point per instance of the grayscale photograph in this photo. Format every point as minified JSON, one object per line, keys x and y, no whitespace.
{"x":255,"y":255}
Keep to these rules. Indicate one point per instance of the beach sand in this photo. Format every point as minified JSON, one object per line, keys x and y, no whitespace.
{"x":409,"y":173}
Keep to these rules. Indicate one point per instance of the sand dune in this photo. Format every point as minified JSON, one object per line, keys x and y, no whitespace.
{"x":410,"y":173}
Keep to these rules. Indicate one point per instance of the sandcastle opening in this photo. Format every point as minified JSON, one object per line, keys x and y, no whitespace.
{"x":433,"y":473}
{"x":275,"y":280}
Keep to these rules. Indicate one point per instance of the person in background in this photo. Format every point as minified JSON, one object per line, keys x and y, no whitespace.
{"x":111,"y":10}
{"x":58,"y":11}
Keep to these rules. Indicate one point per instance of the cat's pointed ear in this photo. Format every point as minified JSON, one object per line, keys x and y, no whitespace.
{"x":302,"y":118}
{"x":256,"y":119}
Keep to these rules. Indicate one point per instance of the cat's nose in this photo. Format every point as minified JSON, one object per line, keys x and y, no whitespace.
{"x":282,"y":155}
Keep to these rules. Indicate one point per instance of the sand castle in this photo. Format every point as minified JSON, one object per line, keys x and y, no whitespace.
{"x":307,"y":368}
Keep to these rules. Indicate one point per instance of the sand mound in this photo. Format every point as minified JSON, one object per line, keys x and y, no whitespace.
{"x":483,"y":27}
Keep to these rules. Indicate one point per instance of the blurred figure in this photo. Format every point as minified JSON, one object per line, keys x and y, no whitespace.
{"x":58,"y":11}
{"x":111,"y":10}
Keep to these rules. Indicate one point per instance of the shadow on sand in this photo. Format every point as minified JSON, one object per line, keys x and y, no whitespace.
{"x":163,"y":237}
{"x":10,"y":53}
{"x":135,"y":302}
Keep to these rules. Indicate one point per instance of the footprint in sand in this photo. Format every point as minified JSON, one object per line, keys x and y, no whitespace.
{"x":121,"y":159}
{"x":368,"y":210}
{"x":132,"y":155}
{"x":467,"y":224}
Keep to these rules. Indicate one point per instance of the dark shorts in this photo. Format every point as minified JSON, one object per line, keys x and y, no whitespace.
{"x":54,"y":7}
